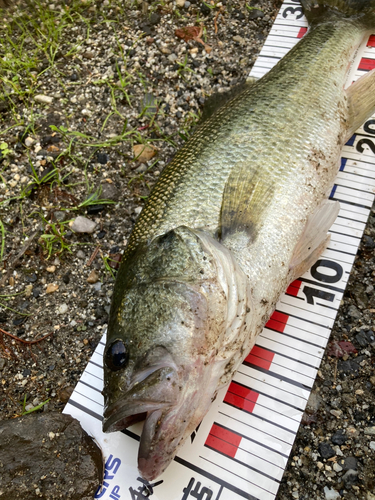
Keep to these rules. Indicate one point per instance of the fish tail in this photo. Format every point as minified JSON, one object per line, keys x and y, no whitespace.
{"x":318,"y":11}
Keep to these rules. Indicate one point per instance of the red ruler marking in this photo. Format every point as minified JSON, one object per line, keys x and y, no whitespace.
{"x":260,"y":357}
{"x":293,"y":288}
{"x":371,"y":41}
{"x":302,"y":32}
{"x":277,"y":321}
{"x":366,"y":63}
{"x":221,"y":446}
{"x":262,"y":353}
{"x":238,"y":402}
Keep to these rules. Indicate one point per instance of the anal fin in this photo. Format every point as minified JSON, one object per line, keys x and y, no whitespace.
{"x":314,"y":238}
{"x":361,"y":101}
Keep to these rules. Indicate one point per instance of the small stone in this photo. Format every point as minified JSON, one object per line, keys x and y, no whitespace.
{"x":350,"y":463}
{"x":239,"y":39}
{"x":339,"y":438}
{"x":51,"y":288}
{"x":370,"y":496}
{"x":31,"y":278}
{"x":256,"y":14}
{"x":63,"y":308}
{"x":144,"y":152}
{"x":138,"y":210}
{"x":350,"y":477}
{"x":337,"y":467}
{"x":44,"y":99}
{"x":102,"y":158}
{"x":86,"y":112}
{"x":3,"y":363}
{"x":65,"y":393}
{"x":331,"y":494}
{"x":110,"y":192}
{"x":93,"y":277}
{"x":51,"y":269}
{"x":336,"y":413}
{"x":81,"y":254}
{"x":354,"y":312}
{"x":326,"y":451}
{"x":369,"y":431}
{"x":29,"y":141}
{"x":11,"y":281}
{"x":83,"y":225}
{"x":180,"y":3}
{"x":372,"y":443}
{"x":28,"y":290}
{"x":59,"y":215}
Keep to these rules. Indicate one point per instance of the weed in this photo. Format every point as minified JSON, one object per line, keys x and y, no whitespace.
{"x":35,"y":408}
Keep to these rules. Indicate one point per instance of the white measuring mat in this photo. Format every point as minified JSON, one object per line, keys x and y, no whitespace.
{"x":242,"y":446}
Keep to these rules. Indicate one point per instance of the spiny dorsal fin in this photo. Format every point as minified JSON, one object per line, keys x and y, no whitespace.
{"x":217,"y":100}
{"x":247,"y":194}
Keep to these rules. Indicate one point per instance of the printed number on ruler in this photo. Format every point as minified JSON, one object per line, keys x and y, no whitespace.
{"x":111,"y":468}
{"x":145,"y":491}
{"x":295,"y":12}
{"x":362,"y":143}
{"x":199,"y":492}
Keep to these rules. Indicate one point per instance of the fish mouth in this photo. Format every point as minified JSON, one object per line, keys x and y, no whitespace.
{"x":157,"y":390}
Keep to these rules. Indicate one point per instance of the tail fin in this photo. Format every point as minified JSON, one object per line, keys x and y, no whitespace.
{"x":318,"y":11}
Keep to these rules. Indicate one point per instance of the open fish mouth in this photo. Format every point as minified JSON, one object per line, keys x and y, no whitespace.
{"x":156,"y":390}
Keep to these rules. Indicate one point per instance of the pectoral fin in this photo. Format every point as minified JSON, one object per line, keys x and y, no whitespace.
{"x":361,"y":101}
{"x":247,"y":194}
{"x":314,"y":238}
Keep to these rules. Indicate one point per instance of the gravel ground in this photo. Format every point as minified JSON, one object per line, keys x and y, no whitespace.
{"x":84,"y":85}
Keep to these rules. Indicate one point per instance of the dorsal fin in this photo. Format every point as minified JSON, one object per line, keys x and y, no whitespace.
{"x":217,"y":100}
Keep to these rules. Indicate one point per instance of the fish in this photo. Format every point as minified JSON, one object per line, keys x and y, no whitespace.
{"x":241,"y":211}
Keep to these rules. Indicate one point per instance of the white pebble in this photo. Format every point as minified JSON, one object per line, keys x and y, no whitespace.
{"x":44,"y":99}
{"x":331,"y":494}
{"x":63,"y":309}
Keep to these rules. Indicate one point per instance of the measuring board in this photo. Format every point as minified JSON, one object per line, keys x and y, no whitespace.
{"x":242,"y":446}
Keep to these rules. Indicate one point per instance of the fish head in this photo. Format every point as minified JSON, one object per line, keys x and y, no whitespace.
{"x":164,"y":358}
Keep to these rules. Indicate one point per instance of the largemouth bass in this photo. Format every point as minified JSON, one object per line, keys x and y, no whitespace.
{"x":240,"y":212}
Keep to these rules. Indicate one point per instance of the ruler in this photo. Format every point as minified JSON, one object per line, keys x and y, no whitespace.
{"x":241,"y":448}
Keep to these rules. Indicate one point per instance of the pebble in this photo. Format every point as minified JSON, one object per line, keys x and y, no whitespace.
{"x":331,"y":494}
{"x":350,"y":463}
{"x":372,"y":443}
{"x":180,"y":3}
{"x":28,"y":290}
{"x":44,"y":99}
{"x":354,"y":312}
{"x":144,"y":152}
{"x":83,"y":225}
{"x":339,"y":437}
{"x":81,"y":254}
{"x":93,"y":277}
{"x":350,"y":477}
{"x":326,"y":451}
{"x":29,"y":141}
{"x":51,"y":288}
{"x":51,"y":269}
{"x":63,"y":308}
{"x":370,"y":431}
{"x":337,"y":467}
{"x":138,"y":210}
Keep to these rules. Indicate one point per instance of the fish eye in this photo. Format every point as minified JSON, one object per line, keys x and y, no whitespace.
{"x":116,"y":356}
